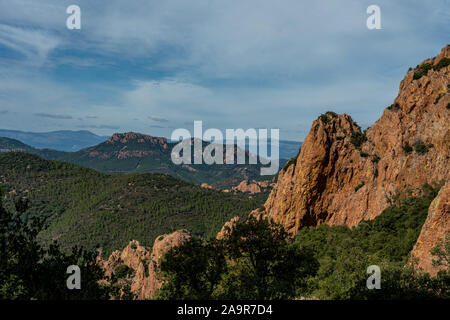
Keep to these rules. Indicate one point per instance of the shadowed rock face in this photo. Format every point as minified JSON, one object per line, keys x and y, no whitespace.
{"x":436,"y":226}
{"x":145,"y":264}
{"x":337,"y":179}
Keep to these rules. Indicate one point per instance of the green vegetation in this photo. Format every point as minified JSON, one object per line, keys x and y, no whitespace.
{"x":255,"y":262}
{"x":375,"y":159}
{"x":359,"y":186}
{"x":325,"y":117}
{"x":344,"y":254}
{"x":363,"y":154}
{"x":358,"y":138}
{"x":407,"y":148}
{"x":394,"y":107}
{"x":421,"y":148}
{"x":123,"y":271}
{"x":143,"y":157}
{"x":30,"y":272}
{"x":439,"y":98}
{"x":84,"y":207}
{"x":442,"y":64}
{"x":259,"y":261}
{"x":423,"y":69}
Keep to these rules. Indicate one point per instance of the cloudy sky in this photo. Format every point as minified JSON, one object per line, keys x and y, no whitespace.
{"x":152,"y":66}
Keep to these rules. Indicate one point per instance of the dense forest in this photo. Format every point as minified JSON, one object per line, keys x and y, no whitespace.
{"x":259,"y":261}
{"x":91,"y":209}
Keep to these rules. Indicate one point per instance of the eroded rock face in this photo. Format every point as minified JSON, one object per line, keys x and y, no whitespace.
{"x":337,"y":179}
{"x":145,"y":282}
{"x":227,"y":228}
{"x":252,"y":186}
{"x":436,"y":226}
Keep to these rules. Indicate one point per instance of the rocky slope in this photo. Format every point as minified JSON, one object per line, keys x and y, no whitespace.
{"x":344,"y":176}
{"x":253,"y":186}
{"x":435,"y":228}
{"x":144,"y":263}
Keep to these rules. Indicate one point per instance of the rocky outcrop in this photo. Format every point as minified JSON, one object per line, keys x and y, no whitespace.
{"x":124,"y":138}
{"x":343,"y":176}
{"x":434,"y":230}
{"x":227,"y":228}
{"x":252,"y":186}
{"x":144,"y":263}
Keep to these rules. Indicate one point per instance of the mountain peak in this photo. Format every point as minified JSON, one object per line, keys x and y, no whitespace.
{"x":343,"y":176}
{"x":127,"y":137}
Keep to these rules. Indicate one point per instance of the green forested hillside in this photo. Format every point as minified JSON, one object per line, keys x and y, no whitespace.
{"x":88,"y":208}
{"x":139,"y":155}
{"x":259,"y":261}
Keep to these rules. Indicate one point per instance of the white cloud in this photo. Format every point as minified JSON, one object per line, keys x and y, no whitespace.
{"x":34,"y":45}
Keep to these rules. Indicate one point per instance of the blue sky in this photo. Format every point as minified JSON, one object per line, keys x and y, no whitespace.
{"x":152,"y":66}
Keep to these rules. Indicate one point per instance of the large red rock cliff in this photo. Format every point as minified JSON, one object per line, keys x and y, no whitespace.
{"x":145,"y":264}
{"x":434,"y":230}
{"x":342,"y":176}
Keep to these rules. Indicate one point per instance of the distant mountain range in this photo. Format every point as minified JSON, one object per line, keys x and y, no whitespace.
{"x":65,"y":140}
{"x":135,"y":152}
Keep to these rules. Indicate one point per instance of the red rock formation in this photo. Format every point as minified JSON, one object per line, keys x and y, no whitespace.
{"x":336,"y":182}
{"x":252,"y":186}
{"x":145,"y":282}
{"x":227,"y":228}
{"x":435,"y":228}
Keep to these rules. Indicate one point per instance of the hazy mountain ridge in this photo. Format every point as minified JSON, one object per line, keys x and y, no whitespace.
{"x":63,"y":140}
{"x":135,"y":152}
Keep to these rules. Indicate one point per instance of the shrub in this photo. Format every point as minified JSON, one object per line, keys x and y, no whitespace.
{"x":439,"y":98}
{"x":420,"y":147}
{"x":448,"y":105}
{"x":407,"y":148}
{"x":339,"y":138}
{"x":394,"y":107}
{"x":363,"y":154}
{"x":375,"y":159}
{"x":422,"y":70}
{"x":442,"y":64}
{"x":357,"y":139}
{"x":324,"y":118}
{"x":359,"y":186}
{"x":122,"y":271}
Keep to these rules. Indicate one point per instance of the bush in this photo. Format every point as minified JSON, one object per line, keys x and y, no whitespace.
{"x":345,"y":253}
{"x":363,"y":154}
{"x":122,"y":271}
{"x":439,"y":98}
{"x":442,"y":64}
{"x":376,"y":159}
{"x":358,"y":138}
{"x":420,"y":147}
{"x":422,"y":70}
{"x":359,"y":186}
{"x":324,"y":118}
{"x":407,"y":148}
{"x":394,"y":107}
{"x":256,"y":261}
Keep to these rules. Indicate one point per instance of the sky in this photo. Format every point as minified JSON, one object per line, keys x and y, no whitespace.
{"x":153,"y":66}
